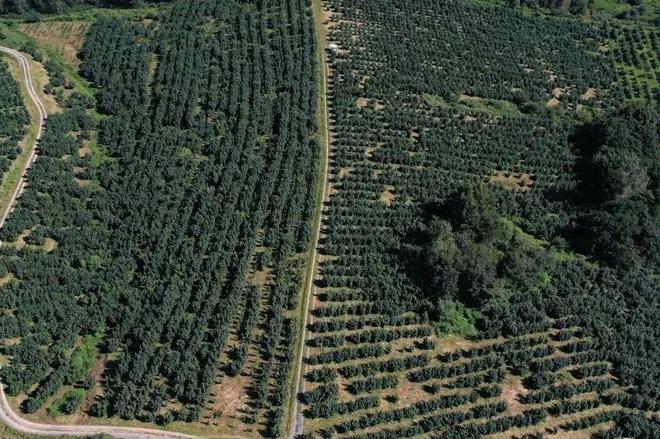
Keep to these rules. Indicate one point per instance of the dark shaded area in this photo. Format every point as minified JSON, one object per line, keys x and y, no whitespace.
{"x":57,"y":6}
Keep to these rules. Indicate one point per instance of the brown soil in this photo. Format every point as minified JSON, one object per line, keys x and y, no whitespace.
{"x":4,"y":280}
{"x":388,"y":195}
{"x":515,"y":182}
{"x":84,"y":151}
{"x":410,"y":393}
{"x":49,"y":245}
{"x":82,"y":183}
{"x":230,"y":399}
{"x":65,"y":37}
{"x":20,"y":240}
{"x":558,"y":92}
{"x":262,"y":278}
{"x":453,"y":343}
{"x":589,"y":94}
{"x":362,"y":102}
{"x":343,"y":172}
{"x":512,"y":389}
{"x":97,"y":371}
{"x":327,"y":15}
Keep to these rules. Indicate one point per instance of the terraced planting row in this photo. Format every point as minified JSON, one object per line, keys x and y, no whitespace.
{"x":636,"y":51}
{"x":422,"y":103}
{"x":546,"y":381}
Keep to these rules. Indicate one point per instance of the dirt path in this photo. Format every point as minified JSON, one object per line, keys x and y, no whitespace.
{"x":297,"y":426}
{"x":27,"y":78}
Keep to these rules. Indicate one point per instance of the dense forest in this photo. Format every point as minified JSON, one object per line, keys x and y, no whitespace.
{"x":205,"y":172}
{"x":13,"y":118}
{"x":495,"y":177}
{"x":55,"y":6}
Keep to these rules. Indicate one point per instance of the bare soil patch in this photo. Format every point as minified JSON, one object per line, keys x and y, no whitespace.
{"x":81,"y":182}
{"x":65,"y":37}
{"x":558,"y":92}
{"x":512,"y":389}
{"x":343,"y":172}
{"x":589,"y":94}
{"x":85,"y":151}
{"x":4,"y":280}
{"x":230,"y":400}
{"x":262,"y":278}
{"x":49,"y":245}
{"x":516,"y":182}
{"x":362,"y":102}
{"x":453,"y":343}
{"x":553,"y":103}
{"x":388,"y":195}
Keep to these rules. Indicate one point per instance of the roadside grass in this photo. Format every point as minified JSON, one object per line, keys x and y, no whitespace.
{"x":303,"y":305}
{"x":13,"y":176}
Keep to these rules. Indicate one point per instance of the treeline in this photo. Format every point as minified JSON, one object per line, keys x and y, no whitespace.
{"x":13,"y":118}
{"x":57,"y":6}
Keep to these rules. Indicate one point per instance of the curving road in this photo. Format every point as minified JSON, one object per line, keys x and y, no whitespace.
{"x":297,"y":427}
{"x":27,"y":78}
{"x":7,"y":415}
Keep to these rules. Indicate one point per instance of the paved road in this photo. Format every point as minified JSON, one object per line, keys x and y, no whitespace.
{"x":7,"y":415}
{"x":310,"y":296}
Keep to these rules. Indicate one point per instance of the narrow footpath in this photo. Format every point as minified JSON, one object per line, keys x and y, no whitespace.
{"x":297,"y":426}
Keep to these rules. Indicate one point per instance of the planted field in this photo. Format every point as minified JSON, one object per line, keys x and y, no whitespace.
{"x":64,"y":38}
{"x":636,"y":52}
{"x":181,"y":222}
{"x":549,"y":381}
{"x":426,"y":98}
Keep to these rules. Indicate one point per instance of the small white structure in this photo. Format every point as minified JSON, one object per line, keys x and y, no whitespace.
{"x":334,"y":48}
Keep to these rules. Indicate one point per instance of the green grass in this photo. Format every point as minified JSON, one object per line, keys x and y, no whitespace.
{"x":610,"y":7}
{"x":57,"y":409}
{"x":87,"y":13}
{"x":457,"y":320}
{"x":81,"y":85}
{"x":513,"y":230}
{"x":83,"y":358}
{"x":13,"y":176}
{"x":491,"y":107}
{"x":290,"y":417}
{"x":11,"y":37}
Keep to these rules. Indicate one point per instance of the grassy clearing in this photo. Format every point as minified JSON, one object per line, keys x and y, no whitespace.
{"x":84,"y":357}
{"x":459,"y":321}
{"x":473,"y":104}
